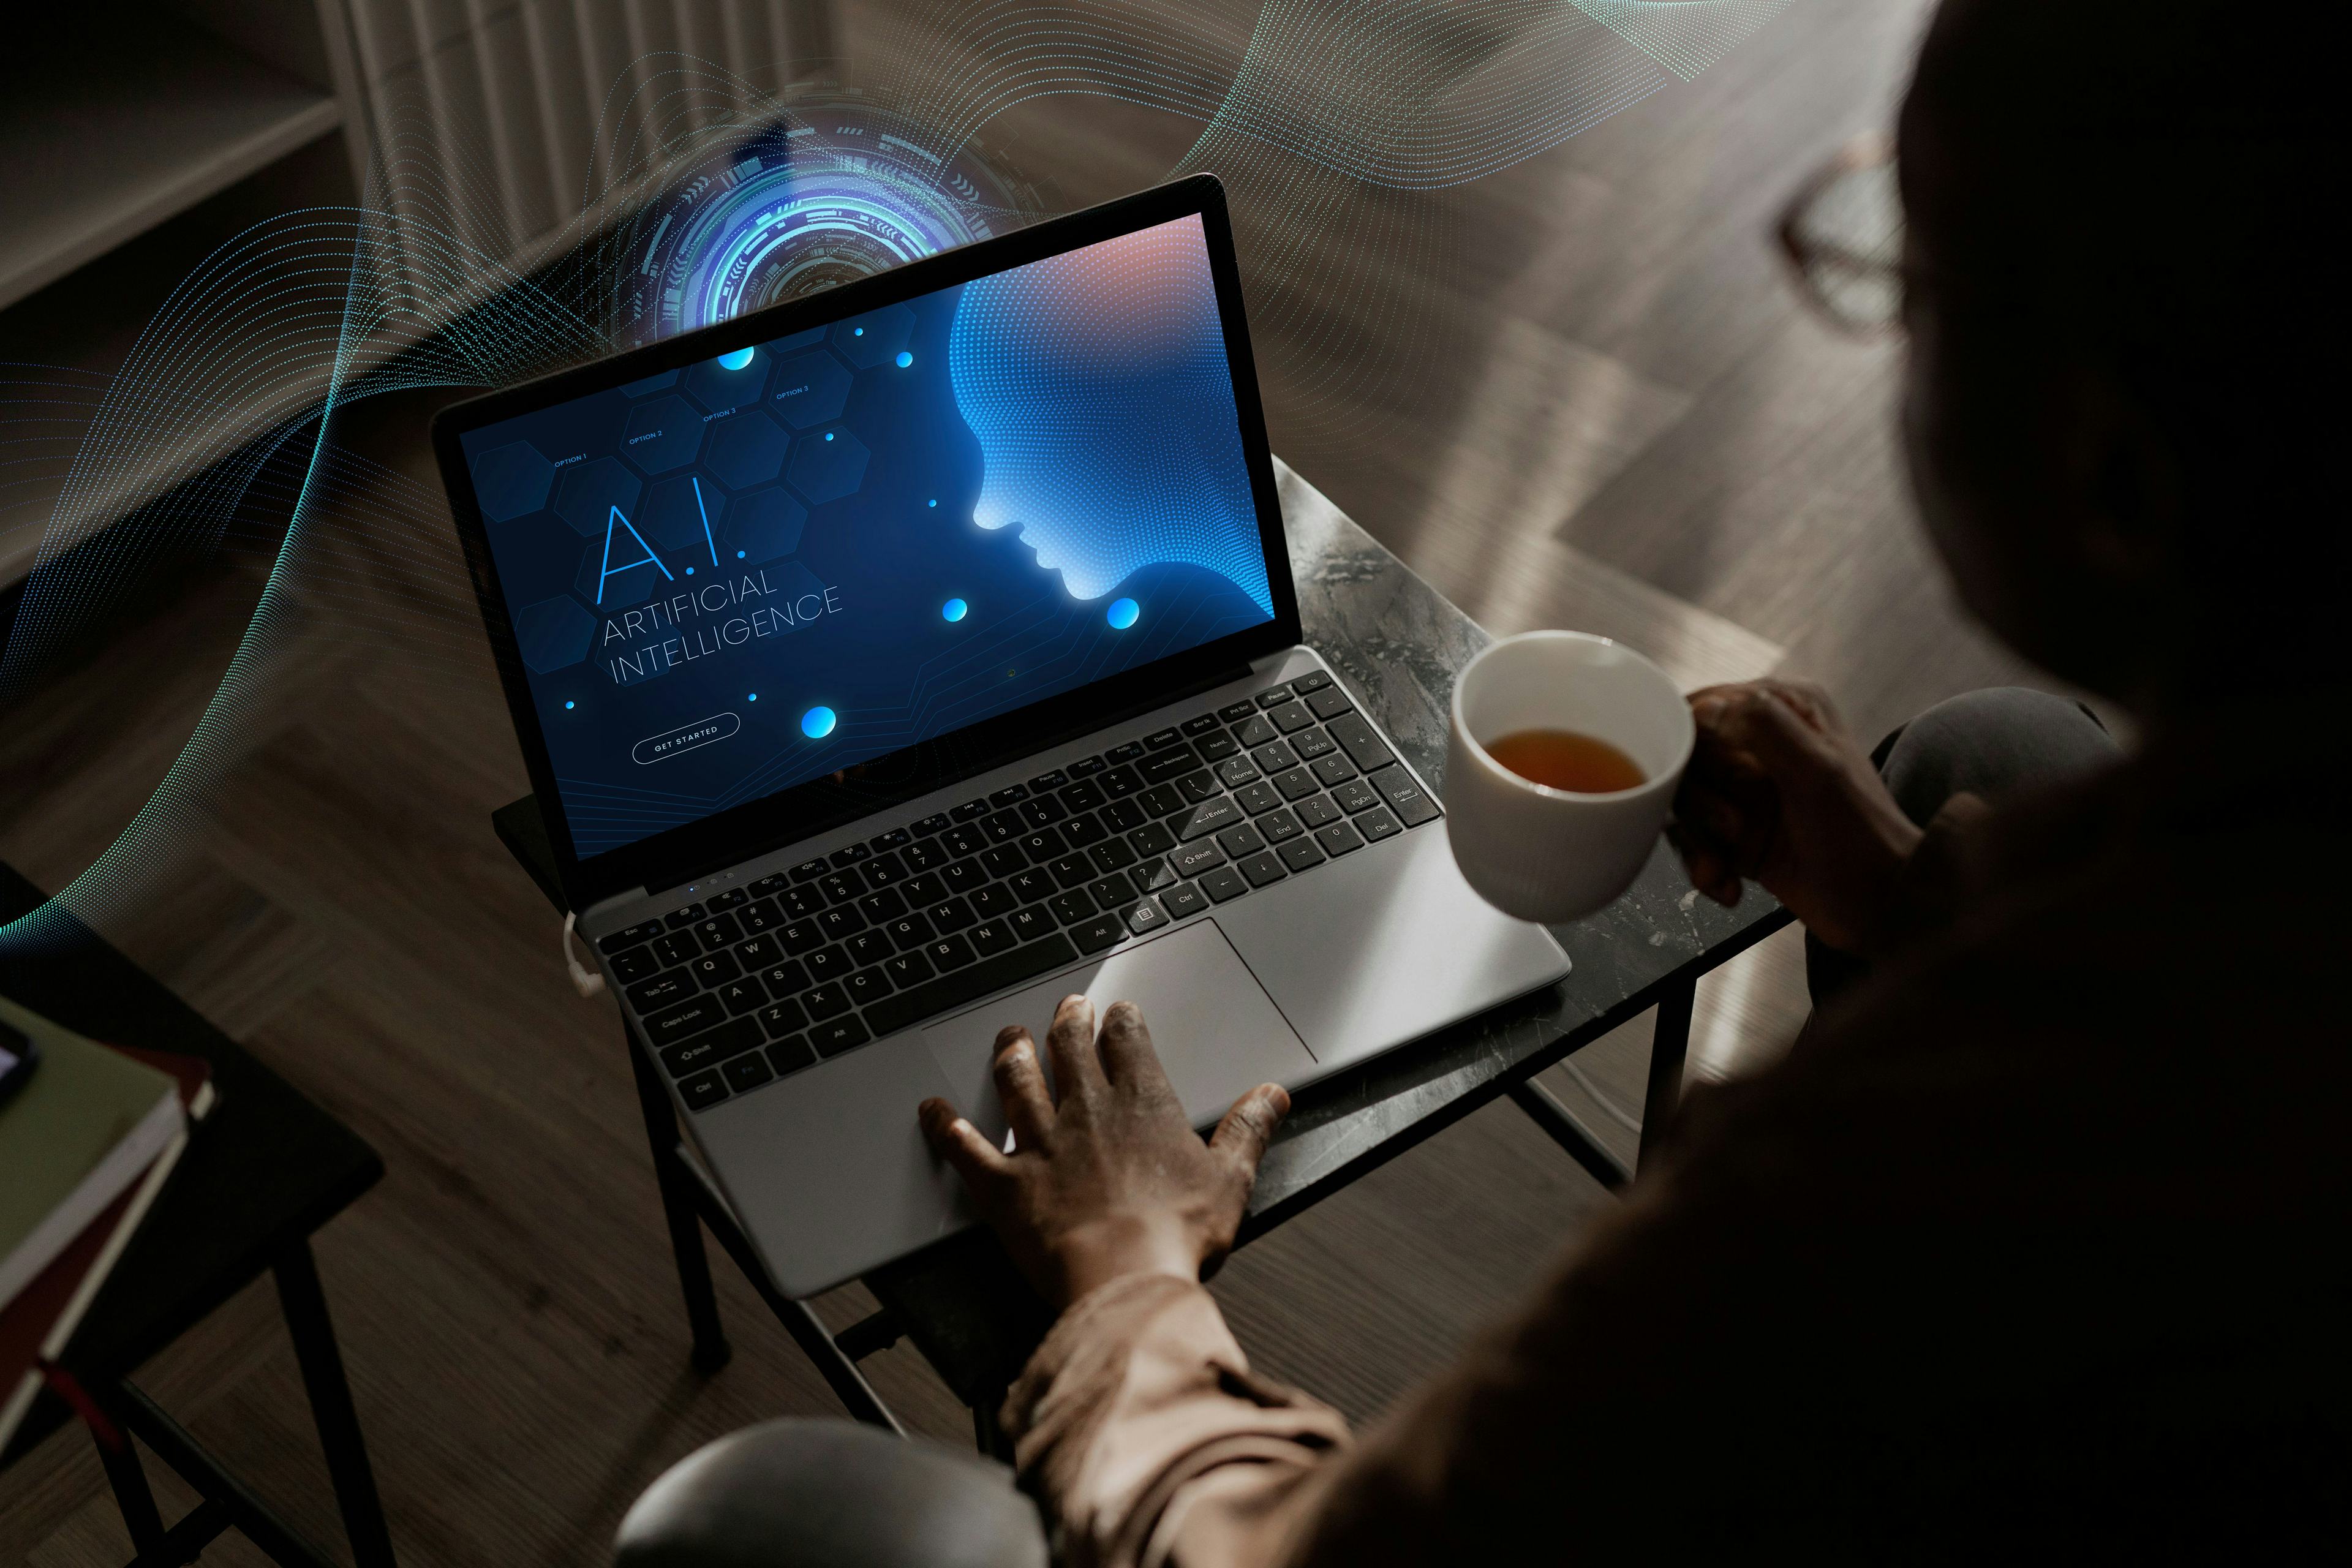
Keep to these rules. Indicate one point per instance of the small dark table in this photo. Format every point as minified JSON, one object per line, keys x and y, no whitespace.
{"x":261,"y":1173}
{"x":1398,"y":644}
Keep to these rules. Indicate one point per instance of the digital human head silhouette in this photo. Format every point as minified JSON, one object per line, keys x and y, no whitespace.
{"x":1097,"y":385}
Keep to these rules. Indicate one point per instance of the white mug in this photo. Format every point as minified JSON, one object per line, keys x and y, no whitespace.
{"x":1550,"y":854}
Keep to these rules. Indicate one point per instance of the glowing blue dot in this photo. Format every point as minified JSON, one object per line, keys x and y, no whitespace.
{"x":1123,"y":612}
{"x":905,"y":359}
{"x":689,"y":571}
{"x":738,"y":555}
{"x":932,"y":503}
{"x":568,"y":705}
{"x":858,"y":331}
{"x":954,"y":609}
{"x":735,"y":360}
{"x":817,"y":723}
{"x":828,"y":435}
{"x":751,"y":697}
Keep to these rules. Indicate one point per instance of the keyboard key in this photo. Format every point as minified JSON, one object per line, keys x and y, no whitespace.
{"x":677,"y":947}
{"x":714,"y":968}
{"x":1236,"y":771}
{"x":1191,"y":859}
{"x":1338,"y":839}
{"x":839,"y":1035}
{"x":1224,"y":883}
{"x":758,"y":953}
{"x":1144,"y":916}
{"x":1317,"y":811}
{"x":1003,"y":861}
{"x":1161,"y":800}
{"x":1082,"y":796}
{"x":1404,"y":794}
{"x":1120,"y":783}
{"x":789,"y":1055}
{"x":867,"y":985}
{"x":1378,"y":824}
{"x":1073,"y":871}
{"x":881,"y":906}
{"x":840,"y":923}
{"x":1241,"y":841}
{"x":1291,"y":718}
{"x":719,"y":930}
{"x":1049,"y":781}
{"x":768,"y":887}
{"x":907,"y":969}
{"x":964,"y":876}
{"x":1162,"y":766}
{"x":964,"y":838}
{"x":1263,"y":868}
{"x":1206,"y":818}
{"x":644,"y":930}
{"x":1200,"y":724}
{"x":994,"y":901}
{"x":1031,"y":886}
{"x":1366,"y":748}
{"x":1125,"y":752}
{"x":829,"y":963}
{"x":1029,"y":924}
{"x":1124,"y":815}
{"x":1085,"y":830}
{"x":783,"y":1018}
{"x":1026,"y":962}
{"x":1257,"y":799}
{"x":762,"y":916}
{"x":683,"y":1018}
{"x":690,"y":915}
{"x":954,"y":914}
{"x":1010,"y":794}
{"x":929,"y":855}
{"x":1234,"y":712}
{"x":1333,"y":769}
{"x":1296,"y":785}
{"x":1182,"y":900}
{"x":970,"y":811}
{"x":1300,"y":853}
{"x":1085,"y":767}
{"x":1328,"y":703}
{"x":711,"y":1049}
{"x":1002,"y":827}
{"x":788,"y":979}
{"x":925,"y":826}
{"x":637,"y":964}
{"x":1111,"y":891}
{"x":991,"y":937}
{"x":1356,"y":795}
{"x":1103,"y":930}
{"x":1216,"y":748}
{"x":1313,"y":680}
{"x":1151,"y":840}
{"x":810,"y":870}
{"x":1071,"y":907}
{"x":849,"y":856}
{"x":1278,"y":825}
{"x":748,"y":1072}
{"x":869,"y":947}
{"x":1198,"y":787}
{"x":744,"y":996}
{"x":928,"y":888}
{"x":826,"y":1002}
{"x":949,"y":953}
{"x":1153,"y":876}
{"x":883,"y":871}
{"x":1312,"y":743}
{"x":703,"y":1090}
{"x":801,"y":903}
{"x":1042,"y":810}
{"x":896,"y":838}
{"x":800,"y":937}
{"x":1160,"y":739}
{"x":1270,"y":698}
{"x":1041,"y":846}
{"x":1256,"y":732}
{"x":1273,"y":756}
{"x":1111,"y":854}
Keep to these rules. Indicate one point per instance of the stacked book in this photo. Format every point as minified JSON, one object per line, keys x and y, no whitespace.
{"x":89,"y":1134}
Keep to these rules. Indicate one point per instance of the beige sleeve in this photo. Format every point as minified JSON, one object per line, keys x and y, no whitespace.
{"x":1140,"y":1426}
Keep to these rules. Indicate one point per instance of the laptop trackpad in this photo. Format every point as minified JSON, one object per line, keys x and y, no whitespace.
{"x":1216,"y":1031}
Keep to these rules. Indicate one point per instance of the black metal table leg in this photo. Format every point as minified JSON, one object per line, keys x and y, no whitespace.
{"x":231,"y":1501}
{"x":128,"y":1477}
{"x":1545,"y":1110}
{"x":711,"y":1350}
{"x":304,"y":1302}
{"x":1668,"y":1047}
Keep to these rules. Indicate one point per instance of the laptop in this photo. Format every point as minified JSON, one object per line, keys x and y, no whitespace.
{"x":893,"y":662}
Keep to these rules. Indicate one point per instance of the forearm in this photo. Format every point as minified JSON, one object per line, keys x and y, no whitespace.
{"x":1141,"y":1427}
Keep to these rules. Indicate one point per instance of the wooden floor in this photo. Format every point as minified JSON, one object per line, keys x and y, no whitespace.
{"x":1594,"y":404}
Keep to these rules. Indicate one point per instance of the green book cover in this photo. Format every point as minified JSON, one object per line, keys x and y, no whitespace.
{"x":79,"y":1131}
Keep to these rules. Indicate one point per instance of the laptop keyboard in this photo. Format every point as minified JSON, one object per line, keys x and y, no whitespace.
{"x":764,"y":979}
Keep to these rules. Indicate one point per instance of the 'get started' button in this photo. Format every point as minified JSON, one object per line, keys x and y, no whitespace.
{"x":685,"y":737}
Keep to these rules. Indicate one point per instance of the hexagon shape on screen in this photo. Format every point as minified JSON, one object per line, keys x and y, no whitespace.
{"x":715,"y":387}
{"x":589,"y":491}
{"x":872,"y":340}
{"x":745,"y":449}
{"x":764,"y":525}
{"x":662,"y":435}
{"x":553,"y":632}
{"x":512,"y":479}
{"x":634,"y":577}
{"x":809,"y":389}
{"x":674,"y":514}
{"x":828,"y":466}
{"x":661,"y":383}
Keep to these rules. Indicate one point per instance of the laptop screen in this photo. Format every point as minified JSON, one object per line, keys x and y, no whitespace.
{"x":768,"y":567}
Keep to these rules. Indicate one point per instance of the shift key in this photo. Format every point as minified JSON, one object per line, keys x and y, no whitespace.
{"x":1364,"y":748}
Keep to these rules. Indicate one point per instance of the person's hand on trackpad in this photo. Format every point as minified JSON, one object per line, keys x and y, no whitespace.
{"x":1111,"y":1180}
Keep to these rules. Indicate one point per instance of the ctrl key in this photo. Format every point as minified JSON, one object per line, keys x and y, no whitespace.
{"x":703,"y":1090}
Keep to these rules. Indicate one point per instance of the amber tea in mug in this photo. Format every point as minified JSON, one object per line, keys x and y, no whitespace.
{"x":1566,"y":759}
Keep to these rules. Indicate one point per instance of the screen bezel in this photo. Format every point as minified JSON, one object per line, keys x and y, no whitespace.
{"x":738,"y":833}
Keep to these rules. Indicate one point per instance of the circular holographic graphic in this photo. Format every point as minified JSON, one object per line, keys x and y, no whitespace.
{"x":1123,"y":613}
{"x":953,"y":610}
{"x":817,"y":723}
{"x":831,"y":191}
